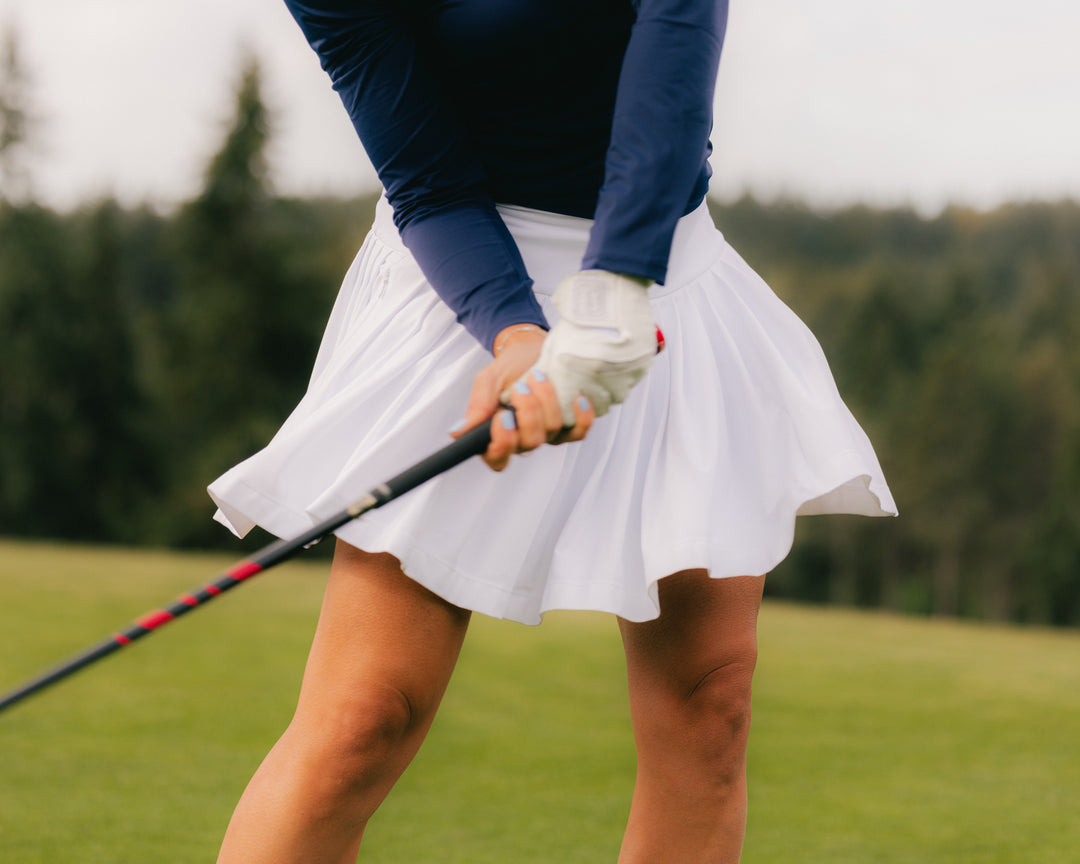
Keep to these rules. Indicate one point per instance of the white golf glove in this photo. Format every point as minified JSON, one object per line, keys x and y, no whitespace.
{"x":603,"y":342}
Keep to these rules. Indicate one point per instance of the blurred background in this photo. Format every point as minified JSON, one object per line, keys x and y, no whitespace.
{"x":181,"y":193}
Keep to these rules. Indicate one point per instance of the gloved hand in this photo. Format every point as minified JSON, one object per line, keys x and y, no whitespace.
{"x":603,"y":342}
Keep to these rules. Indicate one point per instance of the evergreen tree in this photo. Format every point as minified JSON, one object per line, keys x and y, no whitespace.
{"x":15,"y":123}
{"x":242,"y":328}
{"x":69,"y":399}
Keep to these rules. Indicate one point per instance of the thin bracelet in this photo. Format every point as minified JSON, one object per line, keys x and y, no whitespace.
{"x":495,"y":349}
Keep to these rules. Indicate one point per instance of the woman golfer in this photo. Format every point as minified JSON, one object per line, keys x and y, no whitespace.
{"x":545,"y":167}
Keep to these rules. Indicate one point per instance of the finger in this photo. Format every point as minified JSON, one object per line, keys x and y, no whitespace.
{"x":530,"y":417}
{"x":599,"y":398}
{"x":504,"y":440}
{"x":483,"y":402}
{"x":548,"y":399}
{"x":584,"y":416}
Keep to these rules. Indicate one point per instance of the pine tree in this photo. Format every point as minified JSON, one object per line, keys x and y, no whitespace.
{"x":15,"y":125}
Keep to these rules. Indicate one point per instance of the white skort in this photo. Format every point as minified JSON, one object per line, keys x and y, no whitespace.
{"x":736,"y":430}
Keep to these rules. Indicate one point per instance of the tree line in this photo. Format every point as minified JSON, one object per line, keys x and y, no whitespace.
{"x":956,"y":341}
{"x":142,"y":353}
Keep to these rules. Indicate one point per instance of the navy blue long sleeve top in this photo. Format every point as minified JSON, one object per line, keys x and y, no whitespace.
{"x":593,"y":108}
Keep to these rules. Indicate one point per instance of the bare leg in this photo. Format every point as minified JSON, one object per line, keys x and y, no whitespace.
{"x":689,"y":673}
{"x":382,"y":656}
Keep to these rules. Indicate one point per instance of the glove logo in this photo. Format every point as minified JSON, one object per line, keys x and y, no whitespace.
{"x":589,"y":301}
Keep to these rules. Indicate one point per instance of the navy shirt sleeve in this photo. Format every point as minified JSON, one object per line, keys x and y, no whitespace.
{"x":436,"y":186}
{"x":660,"y":135}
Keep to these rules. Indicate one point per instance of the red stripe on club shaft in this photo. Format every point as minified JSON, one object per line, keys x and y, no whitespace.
{"x":243,"y":570}
{"x":121,"y":639}
{"x":154,"y":619}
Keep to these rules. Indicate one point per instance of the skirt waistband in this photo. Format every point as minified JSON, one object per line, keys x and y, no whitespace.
{"x":552,"y":244}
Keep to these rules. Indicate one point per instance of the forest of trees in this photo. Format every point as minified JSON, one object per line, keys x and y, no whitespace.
{"x":142,"y":353}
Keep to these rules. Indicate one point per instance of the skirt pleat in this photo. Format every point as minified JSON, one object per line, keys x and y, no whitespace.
{"x":737,"y":429}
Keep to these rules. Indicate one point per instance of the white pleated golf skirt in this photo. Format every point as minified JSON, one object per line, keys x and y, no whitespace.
{"x":736,"y":430}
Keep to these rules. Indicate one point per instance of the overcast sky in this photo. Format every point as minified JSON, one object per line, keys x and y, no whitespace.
{"x":922,"y":102}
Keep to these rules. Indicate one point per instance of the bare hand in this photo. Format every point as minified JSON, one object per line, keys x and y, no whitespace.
{"x":538,"y":417}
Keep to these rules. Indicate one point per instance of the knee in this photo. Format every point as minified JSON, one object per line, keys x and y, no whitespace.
{"x":352,"y":741}
{"x":373,"y":720}
{"x":718,"y":717}
{"x":719,"y":706}
{"x":705,"y":721}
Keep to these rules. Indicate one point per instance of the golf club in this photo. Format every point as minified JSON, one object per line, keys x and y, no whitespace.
{"x":472,"y":443}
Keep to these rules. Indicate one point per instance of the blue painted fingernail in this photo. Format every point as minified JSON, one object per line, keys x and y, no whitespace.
{"x":582,"y":403}
{"x":539,"y":376}
{"x":522,"y":388}
{"x":507,"y":418}
{"x":457,"y":427}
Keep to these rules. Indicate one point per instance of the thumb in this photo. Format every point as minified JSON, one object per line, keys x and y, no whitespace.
{"x":483,"y":401}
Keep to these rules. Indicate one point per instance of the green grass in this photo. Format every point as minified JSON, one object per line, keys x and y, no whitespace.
{"x":875,"y":739}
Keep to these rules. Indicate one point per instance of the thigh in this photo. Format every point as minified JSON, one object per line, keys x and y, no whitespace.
{"x":380,"y":631}
{"x":704,"y":625}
